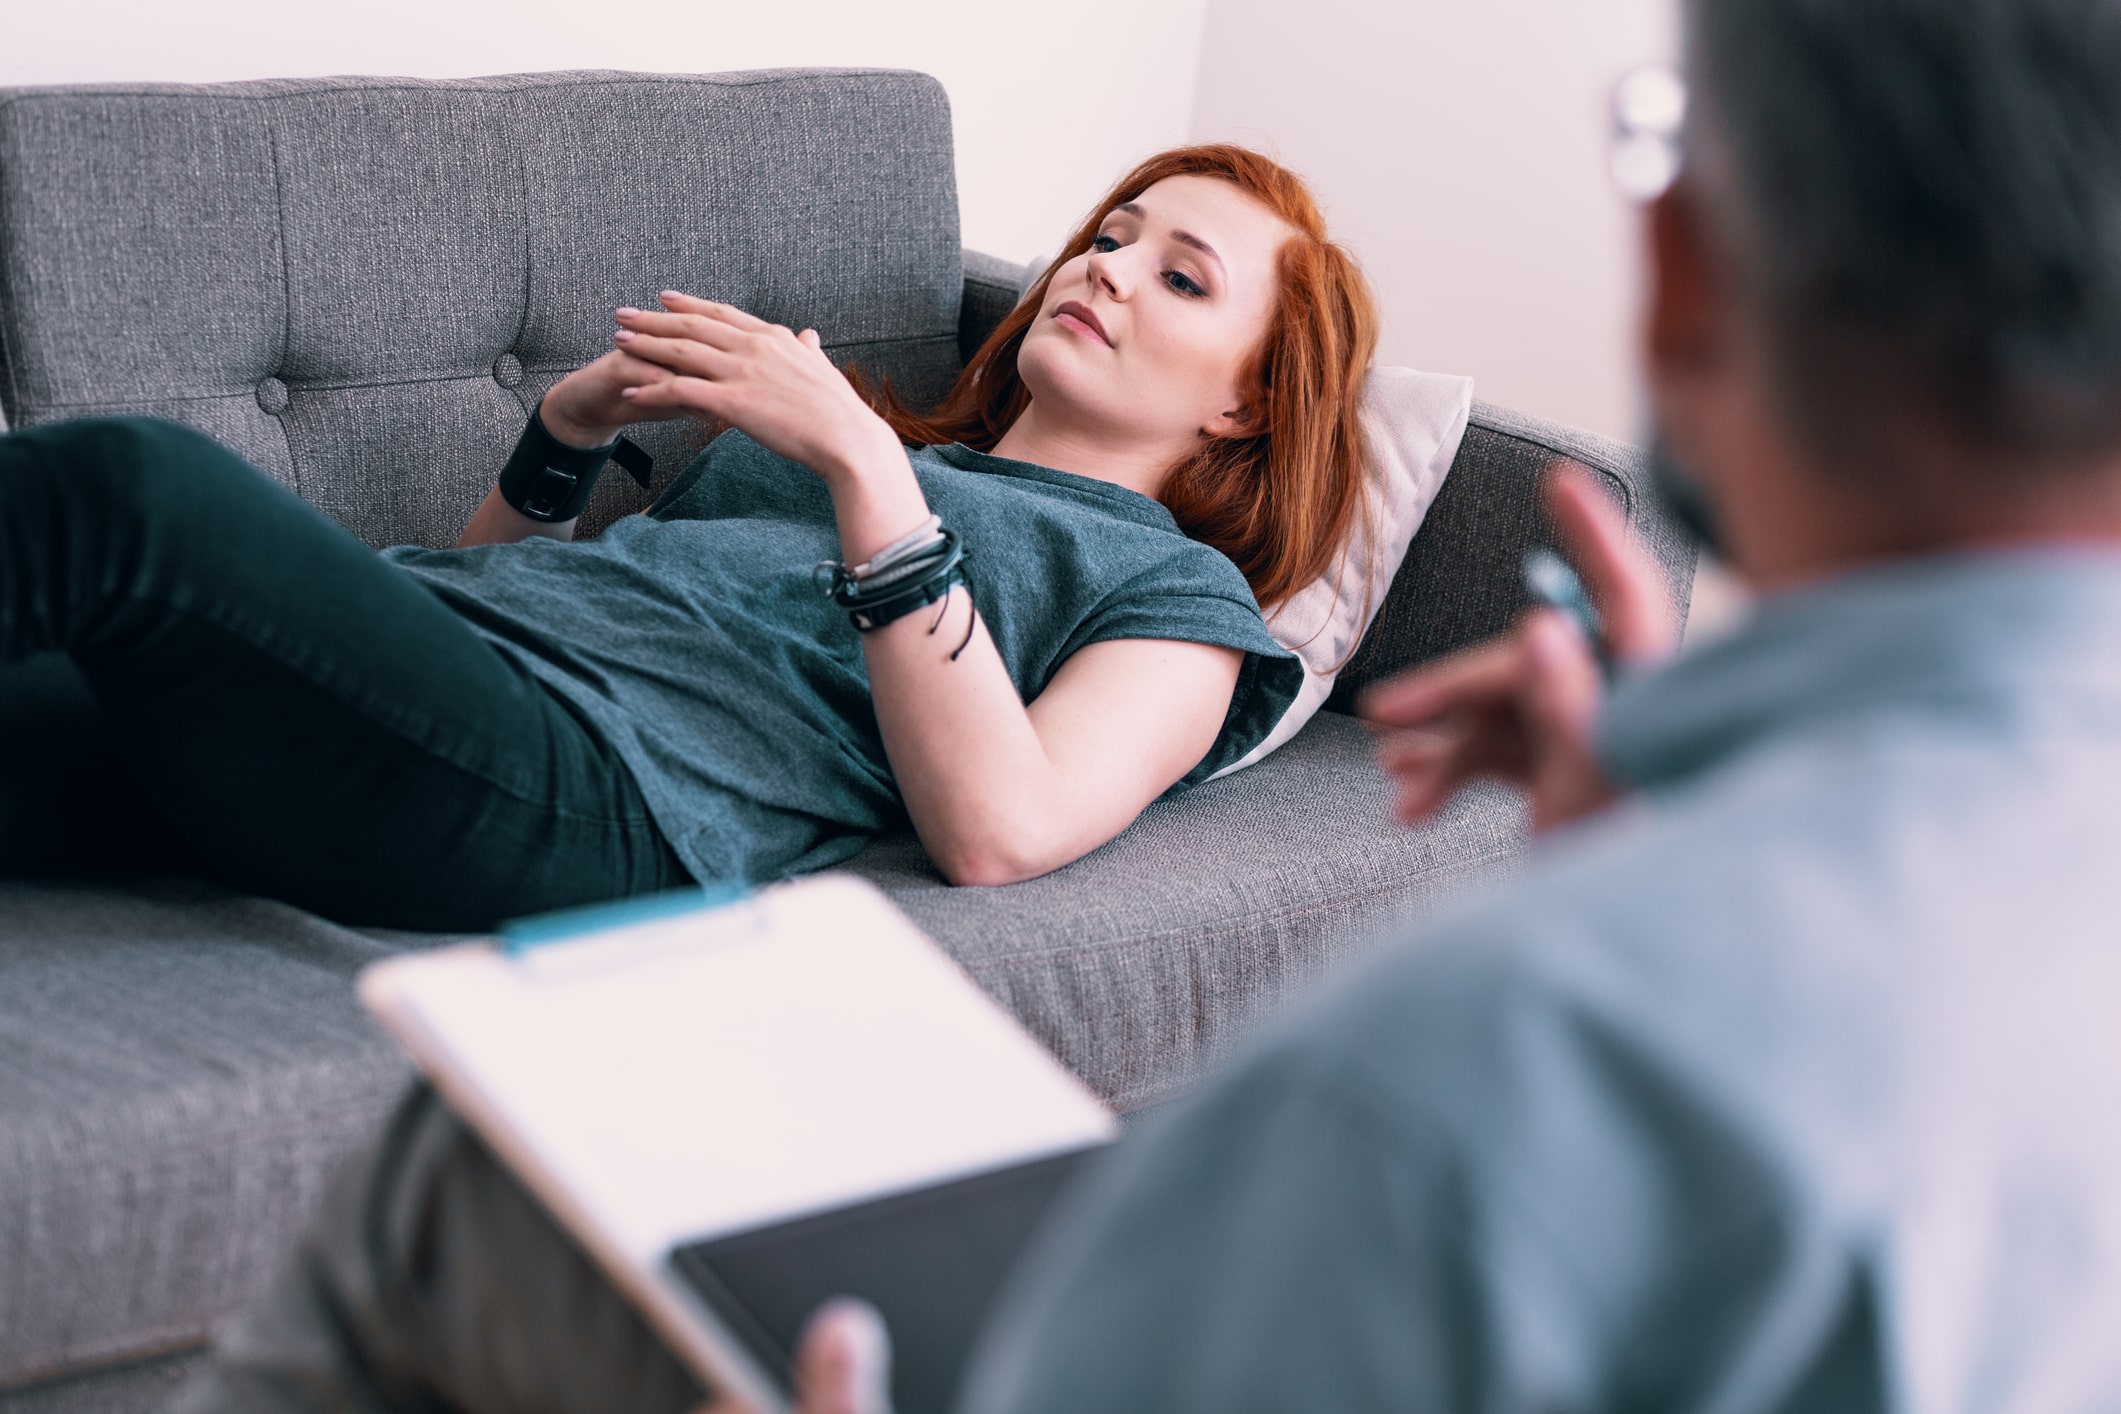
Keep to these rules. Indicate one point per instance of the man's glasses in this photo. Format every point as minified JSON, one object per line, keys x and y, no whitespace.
{"x":1649,"y":109}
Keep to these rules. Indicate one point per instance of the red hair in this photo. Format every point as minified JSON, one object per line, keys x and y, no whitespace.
{"x":1278,"y":501}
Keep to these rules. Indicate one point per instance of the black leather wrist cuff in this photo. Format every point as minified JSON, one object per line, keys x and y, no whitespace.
{"x":549,"y":481}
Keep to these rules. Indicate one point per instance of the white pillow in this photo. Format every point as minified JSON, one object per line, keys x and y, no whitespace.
{"x":1415,"y":422}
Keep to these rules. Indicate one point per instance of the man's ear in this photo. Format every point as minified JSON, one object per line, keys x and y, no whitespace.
{"x":1686,"y":315}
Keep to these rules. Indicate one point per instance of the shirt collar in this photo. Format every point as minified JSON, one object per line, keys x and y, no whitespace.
{"x":2002,"y":632}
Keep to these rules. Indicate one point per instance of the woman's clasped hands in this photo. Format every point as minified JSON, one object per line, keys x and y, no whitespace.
{"x":697,"y":357}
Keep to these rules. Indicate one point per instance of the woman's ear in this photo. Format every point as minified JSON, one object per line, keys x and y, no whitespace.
{"x":1246,"y":419}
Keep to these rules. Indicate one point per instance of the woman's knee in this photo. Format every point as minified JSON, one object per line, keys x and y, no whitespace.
{"x":136,"y":471}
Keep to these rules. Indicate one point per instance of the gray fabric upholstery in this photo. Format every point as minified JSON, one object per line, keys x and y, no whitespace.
{"x":1135,"y":963}
{"x":180,"y":1068}
{"x":178,"y":1071}
{"x":363,"y":285}
{"x":991,"y":286}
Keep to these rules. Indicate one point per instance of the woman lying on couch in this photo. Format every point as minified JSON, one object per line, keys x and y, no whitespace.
{"x":1036,"y":621}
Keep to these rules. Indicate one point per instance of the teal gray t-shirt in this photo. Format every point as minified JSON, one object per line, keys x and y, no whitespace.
{"x":696,"y":639}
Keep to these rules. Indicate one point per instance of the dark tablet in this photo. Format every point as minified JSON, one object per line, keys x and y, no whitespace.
{"x":931,"y":1260}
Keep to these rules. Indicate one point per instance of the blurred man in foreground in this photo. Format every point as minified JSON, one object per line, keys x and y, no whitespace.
{"x":1783,"y":1078}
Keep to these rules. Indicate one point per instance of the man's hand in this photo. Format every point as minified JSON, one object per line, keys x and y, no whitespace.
{"x":843,"y":1366}
{"x":1522,"y":708}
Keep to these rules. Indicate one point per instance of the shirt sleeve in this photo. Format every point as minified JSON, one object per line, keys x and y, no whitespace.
{"x":1204,"y":612}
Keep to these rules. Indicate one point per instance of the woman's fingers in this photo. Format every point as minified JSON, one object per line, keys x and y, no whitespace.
{"x":696,"y":327}
{"x":684,"y":356}
{"x":1628,"y":586}
{"x":678,"y":393}
{"x":678,"y":302}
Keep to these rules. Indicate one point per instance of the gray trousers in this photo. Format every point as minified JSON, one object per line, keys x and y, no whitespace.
{"x":431,"y":1281}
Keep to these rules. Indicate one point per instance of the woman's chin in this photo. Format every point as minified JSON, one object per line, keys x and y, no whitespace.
{"x":1057,"y":376}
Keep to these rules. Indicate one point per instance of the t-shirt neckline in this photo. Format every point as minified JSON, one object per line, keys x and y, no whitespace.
{"x":1129,"y":502}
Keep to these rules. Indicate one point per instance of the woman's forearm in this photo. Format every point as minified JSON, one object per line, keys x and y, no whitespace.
{"x":496,"y":522}
{"x":975,"y":777}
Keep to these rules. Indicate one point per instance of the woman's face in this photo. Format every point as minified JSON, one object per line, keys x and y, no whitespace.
{"x":1144,"y":336}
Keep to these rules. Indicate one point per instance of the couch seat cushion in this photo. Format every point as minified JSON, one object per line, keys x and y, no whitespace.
{"x":1136,"y":962}
{"x":180,"y":1068}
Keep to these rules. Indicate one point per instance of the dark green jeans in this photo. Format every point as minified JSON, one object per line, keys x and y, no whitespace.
{"x":201,"y":673}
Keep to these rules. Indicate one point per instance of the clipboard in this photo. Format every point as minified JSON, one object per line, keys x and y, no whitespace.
{"x":689,"y":1075}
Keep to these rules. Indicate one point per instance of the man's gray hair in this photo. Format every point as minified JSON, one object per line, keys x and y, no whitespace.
{"x":1927,"y":211}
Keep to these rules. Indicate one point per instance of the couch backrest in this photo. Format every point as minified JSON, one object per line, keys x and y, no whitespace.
{"x":363,"y":285}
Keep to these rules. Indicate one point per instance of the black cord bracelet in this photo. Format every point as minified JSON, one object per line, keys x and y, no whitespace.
{"x":549,"y":481}
{"x":911,"y":587}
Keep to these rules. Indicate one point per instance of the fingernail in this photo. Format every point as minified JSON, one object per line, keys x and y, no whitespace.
{"x":628,"y":312}
{"x":628,"y":392}
{"x":624,"y":335}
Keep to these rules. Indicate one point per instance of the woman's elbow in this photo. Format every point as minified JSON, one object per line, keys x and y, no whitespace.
{"x":994,"y":858}
{"x":984,"y":869}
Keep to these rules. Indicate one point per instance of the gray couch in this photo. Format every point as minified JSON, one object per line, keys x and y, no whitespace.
{"x":363,"y":286}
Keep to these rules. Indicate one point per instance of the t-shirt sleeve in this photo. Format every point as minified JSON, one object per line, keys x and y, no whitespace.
{"x":1193,"y":603}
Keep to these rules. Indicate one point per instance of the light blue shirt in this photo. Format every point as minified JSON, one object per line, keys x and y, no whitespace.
{"x":1794,"y":1084}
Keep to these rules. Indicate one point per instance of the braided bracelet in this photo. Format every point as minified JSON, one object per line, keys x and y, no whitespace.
{"x":918,"y":570}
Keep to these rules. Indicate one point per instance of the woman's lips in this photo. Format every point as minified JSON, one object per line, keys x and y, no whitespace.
{"x":1077,"y":316}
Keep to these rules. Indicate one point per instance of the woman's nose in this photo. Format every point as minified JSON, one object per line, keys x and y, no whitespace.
{"x":1108,"y":268}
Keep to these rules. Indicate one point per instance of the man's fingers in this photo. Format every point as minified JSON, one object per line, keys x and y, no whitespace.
{"x":1465,"y":679}
{"x":1628,"y":586}
{"x":843,"y":1365}
{"x":1561,"y":710}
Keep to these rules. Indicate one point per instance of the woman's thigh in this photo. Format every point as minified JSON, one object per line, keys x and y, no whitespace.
{"x":311,"y":721}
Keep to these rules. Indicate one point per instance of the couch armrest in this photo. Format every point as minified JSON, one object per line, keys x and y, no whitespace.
{"x":1459,"y":583}
{"x":991,"y":289}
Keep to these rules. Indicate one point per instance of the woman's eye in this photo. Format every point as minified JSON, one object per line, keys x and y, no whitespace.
{"x":1104,"y":243}
{"x":1184,"y":284}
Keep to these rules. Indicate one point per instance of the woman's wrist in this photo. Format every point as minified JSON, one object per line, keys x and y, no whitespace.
{"x":868,"y":454}
{"x":876,"y":498}
{"x":567,"y":429}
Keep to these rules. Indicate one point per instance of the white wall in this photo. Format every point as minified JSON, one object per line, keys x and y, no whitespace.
{"x":1459,"y":147}
{"x":1458,"y":143}
{"x":1049,"y":107}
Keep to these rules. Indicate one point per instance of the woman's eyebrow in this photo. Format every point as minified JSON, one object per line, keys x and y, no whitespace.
{"x":1182,"y":237}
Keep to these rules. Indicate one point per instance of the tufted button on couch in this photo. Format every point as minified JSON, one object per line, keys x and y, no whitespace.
{"x":363,"y":286}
